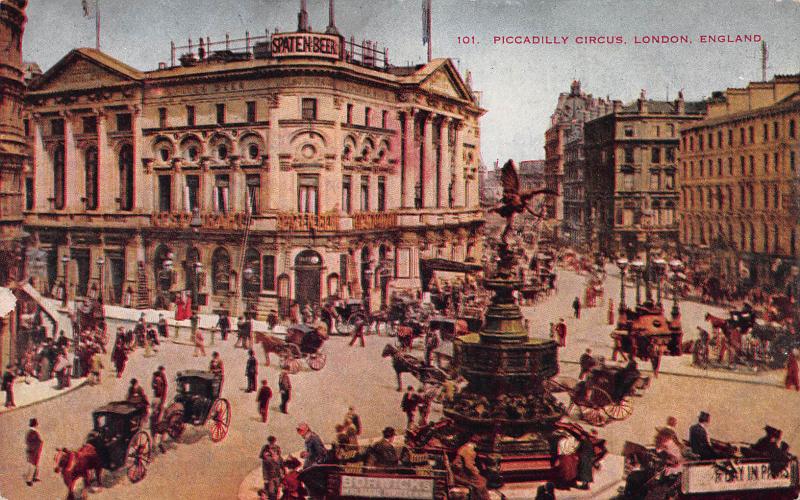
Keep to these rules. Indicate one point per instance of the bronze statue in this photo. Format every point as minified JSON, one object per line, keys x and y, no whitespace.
{"x":513,"y":201}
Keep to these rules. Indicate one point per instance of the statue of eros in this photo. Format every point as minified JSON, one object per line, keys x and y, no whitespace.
{"x":515,"y":202}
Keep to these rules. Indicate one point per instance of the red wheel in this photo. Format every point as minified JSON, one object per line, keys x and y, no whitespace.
{"x":316,"y":361}
{"x":175,"y":424}
{"x":219,"y":419}
{"x":290,"y":363}
{"x":139,"y":452}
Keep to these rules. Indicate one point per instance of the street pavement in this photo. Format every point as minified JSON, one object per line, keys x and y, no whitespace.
{"x":196,"y":468}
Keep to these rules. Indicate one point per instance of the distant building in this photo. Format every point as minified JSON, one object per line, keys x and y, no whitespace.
{"x":572,"y":111}
{"x":740,"y":193}
{"x":531,"y":174}
{"x":630,"y":174}
{"x":574,"y":227}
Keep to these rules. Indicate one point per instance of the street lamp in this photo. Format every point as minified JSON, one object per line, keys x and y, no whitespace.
{"x":676,"y":266}
{"x":637,"y":266}
{"x":622,"y":264}
{"x":659,"y":266}
{"x":100,"y":262}
{"x":65,"y":260}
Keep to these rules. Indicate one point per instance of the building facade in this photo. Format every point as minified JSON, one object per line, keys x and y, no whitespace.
{"x":291,"y":168}
{"x":631,"y":169}
{"x":573,"y":227}
{"x":572,"y":111}
{"x":739,"y":187}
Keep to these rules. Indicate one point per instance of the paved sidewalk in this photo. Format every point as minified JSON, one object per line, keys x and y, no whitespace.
{"x":36,"y":392}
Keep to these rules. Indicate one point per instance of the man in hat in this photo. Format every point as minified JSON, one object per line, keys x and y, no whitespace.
{"x":285,"y":386}
{"x":383,"y":453}
{"x":224,"y":325}
{"x":466,"y":471}
{"x":291,"y":485}
{"x":769,"y":445}
{"x":358,"y":332}
{"x":8,"y":385}
{"x":33,"y":451}
{"x":251,"y":371}
{"x":586,"y":362}
{"x":792,"y":371}
{"x":262,"y":398}
{"x":315,"y":452}
{"x":409,"y":405}
{"x":561,"y":332}
{"x":159,"y":384}
{"x":698,"y":438}
{"x":271,"y":467}
{"x":216,"y":367}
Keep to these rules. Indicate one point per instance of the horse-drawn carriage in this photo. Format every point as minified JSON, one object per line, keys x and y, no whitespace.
{"x":605,"y":394}
{"x":198,"y":402}
{"x":742,"y":475}
{"x":449,"y":328}
{"x":646,"y":331}
{"x":406,"y":363}
{"x":350,"y":312}
{"x":301,"y":342}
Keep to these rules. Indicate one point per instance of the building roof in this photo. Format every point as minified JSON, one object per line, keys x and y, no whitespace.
{"x":666,"y":107}
{"x":789,"y":103}
{"x":94,"y":57}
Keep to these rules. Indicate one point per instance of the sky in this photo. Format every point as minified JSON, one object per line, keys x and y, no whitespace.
{"x":520,"y":83}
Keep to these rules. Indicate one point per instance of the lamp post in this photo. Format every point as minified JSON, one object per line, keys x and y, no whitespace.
{"x":100,"y":262}
{"x":622,"y":264}
{"x":659,"y":266}
{"x":637,"y":266}
{"x":676,"y":266}
{"x":65,"y":261}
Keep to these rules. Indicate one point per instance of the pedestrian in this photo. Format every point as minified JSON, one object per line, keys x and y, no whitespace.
{"x":561,"y":332}
{"x":33,"y":451}
{"x":271,"y":467}
{"x":272,"y":319}
{"x":163,"y":328}
{"x":224,"y":324}
{"x":315,"y":451}
{"x":262,"y":399}
{"x":466,"y":471}
{"x":159,"y":384}
{"x":358,"y":332}
{"x":96,"y":368}
{"x":586,"y":457}
{"x":553,"y":334}
{"x":655,"y":352}
{"x":576,"y":306}
{"x":610,"y":311}
{"x":251,"y":371}
{"x":291,"y":486}
{"x":586,"y":362}
{"x":354,"y":418}
{"x":8,"y":386}
{"x":383,"y":453}
{"x":792,"y":371}
{"x":432,"y":341}
{"x":423,"y":405}
{"x":409,"y":405}
{"x":136,"y":394}
{"x":120,"y":356}
{"x":216,"y":367}
{"x":156,"y":429}
{"x":248,"y":332}
{"x":199,"y":347}
{"x":285,"y":387}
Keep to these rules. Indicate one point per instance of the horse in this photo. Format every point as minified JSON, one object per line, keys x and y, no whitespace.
{"x":717,"y":322}
{"x":270,"y":344}
{"x":402,"y":363}
{"x":74,"y":465}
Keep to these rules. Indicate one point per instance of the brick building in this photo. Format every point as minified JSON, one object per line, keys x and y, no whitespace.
{"x":291,"y":167}
{"x":739,"y":184}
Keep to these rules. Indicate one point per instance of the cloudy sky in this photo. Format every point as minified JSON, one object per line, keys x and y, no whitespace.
{"x":520,"y":83}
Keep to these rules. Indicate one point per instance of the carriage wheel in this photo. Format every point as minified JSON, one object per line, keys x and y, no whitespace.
{"x":175,"y":425}
{"x":140,"y":448}
{"x":568,"y":445}
{"x":619,"y":410}
{"x":219,"y":419}
{"x":290,"y":363}
{"x":593,"y":407}
{"x":317,"y":361}
{"x":345,"y":327}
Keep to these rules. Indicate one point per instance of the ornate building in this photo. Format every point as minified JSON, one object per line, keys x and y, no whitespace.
{"x":631,"y":168}
{"x":12,"y":156}
{"x":290,"y":167}
{"x":573,"y":227}
{"x":572,"y":111}
{"x":739,"y":184}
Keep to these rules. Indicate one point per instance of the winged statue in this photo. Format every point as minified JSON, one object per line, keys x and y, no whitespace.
{"x":515,"y":202}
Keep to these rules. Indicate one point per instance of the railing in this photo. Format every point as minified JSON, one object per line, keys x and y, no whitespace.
{"x":374,"y":220}
{"x":306,"y":221}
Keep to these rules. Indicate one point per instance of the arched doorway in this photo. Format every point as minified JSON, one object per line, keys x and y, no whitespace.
{"x":251,"y":282}
{"x":307,"y":277}
{"x":284,"y":302}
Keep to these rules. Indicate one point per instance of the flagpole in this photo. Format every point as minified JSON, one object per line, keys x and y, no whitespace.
{"x":97,"y":24}
{"x":430,"y":35}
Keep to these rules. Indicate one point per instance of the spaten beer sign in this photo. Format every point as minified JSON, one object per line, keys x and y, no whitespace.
{"x":306,"y":44}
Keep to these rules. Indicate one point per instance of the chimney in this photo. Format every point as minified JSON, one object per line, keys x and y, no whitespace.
{"x":617,"y":105}
{"x":302,"y":17}
{"x":680,"y":105}
{"x":641,"y":101}
{"x":331,"y":30}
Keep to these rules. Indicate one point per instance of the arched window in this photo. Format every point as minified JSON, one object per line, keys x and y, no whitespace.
{"x":752,"y":237}
{"x":59,"y":178}
{"x":90,"y":165}
{"x":776,"y":239}
{"x":742,"y":237}
{"x":766,"y":237}
{"x":162,"y":266}
{"x":221,"y":270}
{"x":126,"y":177}
{"x":251,"y":280}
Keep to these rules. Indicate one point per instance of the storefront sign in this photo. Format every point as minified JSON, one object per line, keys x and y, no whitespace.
{"x":708,"y":478}
{"x":387,"y":487}
{"x":305,"y":44}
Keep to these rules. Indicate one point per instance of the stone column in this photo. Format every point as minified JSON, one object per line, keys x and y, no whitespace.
{"x":458,"y":165}
{"x":237,"y":189}
{"x":107,"y":169}
{"x":206,"y":186}
{"x":142,"y":177}
{"x":273,"y":149}
{"x":409,"y":159}
{"x":428,"y":164}
{"x":42,"y":168}
{"x":72,"y":199}
{"x":444,"y":168}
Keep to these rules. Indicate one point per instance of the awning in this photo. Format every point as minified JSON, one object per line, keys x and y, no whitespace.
{"x":428,"y":266}
{"x":7,"y":301}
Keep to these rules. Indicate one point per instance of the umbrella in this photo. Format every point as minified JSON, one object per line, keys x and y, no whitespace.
{"x":7,"y":301}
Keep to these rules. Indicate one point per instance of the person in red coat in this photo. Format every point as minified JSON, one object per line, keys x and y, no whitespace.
{"x":33,"y":451}
{"x":561,"y":332}
{"x":610,"y":312}
{"x":792,"y":371}
{"x":262,"y":398}
{"x":291,"y":485}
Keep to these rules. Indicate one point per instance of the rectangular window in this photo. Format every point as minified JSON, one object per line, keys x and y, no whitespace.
{"x":710,"y":140}
{"x":251,"y":112}
{"x":628,"y":155}
{"x":384,"y":119}
{"x":655,"y":179}
{"x":89,"y":124}
{"x":191,"y":117}
{"x":730,"y":137}
{"x":268,"y":272}
{"x":741,"y":135}
{"x":730,"y":166}
{"x":791,"y":161}
{"x":367,"y":117}
{"x":124,"y":122}
{"x":627,"y":182}
{"x":29,"y":193}
{"x":253,"y":182}
{"x":349,"y":118}
{"x":741,"y":165}
{"x":164,"y":193}
{"x":57,"y":126}
{"x":220,"y":114}
{"x":719,"y":166}
{"x":700,"y":142}
{"x":776,"y":164}
{"x":347,"y":192}
{"x":669,"y":182}
{"x":26,"y":125}
{"x":775,"y":130}
{"x":192,"y":193}
{"x":658,"y":131}
{"x":162,"y":117}
{"x":628,"y":131}
{"x":343,"y":268}
{"x":309,"y":108}
{"x":752,"y":165}
{"x":670,"y":155}
{"x":766,"y":132}
{"x":655,"y":155}
{"x":221,"y":192}
{"x":364,"y":193}
{"x":308,"y":194}
{"x":719,"y":138}
{"x":792,"y":129}
{"x":752,"y":134}
{"x":766,"y":163}
{"x":381,"y":193}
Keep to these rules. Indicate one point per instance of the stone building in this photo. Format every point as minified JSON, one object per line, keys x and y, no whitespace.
{"x":630,"y":174}
{"x":574,"y":227}
{"x":12,"y":157}
{"x":290,"y":167}
{"x":572,"y":111}
{"x":531,"y":174}
{"x":739,"y":183}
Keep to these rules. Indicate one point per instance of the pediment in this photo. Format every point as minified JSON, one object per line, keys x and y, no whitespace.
{"x":77,"y":71}
{"x":445,"y":81}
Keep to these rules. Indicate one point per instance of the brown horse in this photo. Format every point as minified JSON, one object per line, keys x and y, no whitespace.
{"x":270,"y":344}
{"x":74,"y":465}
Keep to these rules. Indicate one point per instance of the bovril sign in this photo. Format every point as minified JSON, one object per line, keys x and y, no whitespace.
{"x":306,"y":44}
